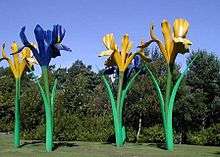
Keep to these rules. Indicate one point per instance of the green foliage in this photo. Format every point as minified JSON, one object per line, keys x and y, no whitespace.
{"x":153,"y":134}
{"x":83,"y":112}
{"x":86,"y":128}
{"x":204,"y":84}
{"x":78,"y":128}
{"x":209,"y":136}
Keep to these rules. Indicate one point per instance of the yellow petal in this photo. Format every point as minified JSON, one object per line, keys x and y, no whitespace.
{"x":26,"y":53}
{"x":106,"y":53}
{"x":168,"y":39}
{"x":22,"y":66}
{"x":109,"y":42}
{"x":180,"y":27}
{"x":31,"y":61}
{"x":3,"y":52}
{"x":182,"y":40}
{"x":11,"y":65}
{"x":159,"y":43}
{"x":26,"y":60}
{"x":14,"y":49}
{"x":117,"y":59}
{"x":182,"y":45}
{"x":128,"y":61}
{"x":125,"y":48}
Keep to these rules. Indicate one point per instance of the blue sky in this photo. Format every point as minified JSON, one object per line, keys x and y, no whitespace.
{"x":87,"y":21}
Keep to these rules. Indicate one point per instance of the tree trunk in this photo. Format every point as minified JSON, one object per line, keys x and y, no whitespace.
{"x":139,"y":128}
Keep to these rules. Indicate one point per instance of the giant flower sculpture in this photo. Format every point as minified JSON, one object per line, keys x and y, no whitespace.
{"x":120,"y":62}
{"x":175,"y":42}
{"x":49,"y":46}
{"x":18,"y":66}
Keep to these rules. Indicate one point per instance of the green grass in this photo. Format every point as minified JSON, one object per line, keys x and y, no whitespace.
{"x":95,"y":149}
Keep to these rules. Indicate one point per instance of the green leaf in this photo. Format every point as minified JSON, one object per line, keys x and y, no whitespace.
{"x":159,"y":93}
{"x":43,"y":94}
{"x":111,"y":96}
{"x":175,"y":88}
{"x":131,"y":81}
{"x":123,"y":134}
{"x":125,"y":91}
{"x":53,"y":95}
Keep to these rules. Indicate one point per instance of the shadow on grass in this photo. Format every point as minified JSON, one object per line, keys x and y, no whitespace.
{"x":56,"y":145}
{"x":217,"y":153}
{"x":159,"y":145}
{"x":64,"y":144}
{"x":31,"y":143}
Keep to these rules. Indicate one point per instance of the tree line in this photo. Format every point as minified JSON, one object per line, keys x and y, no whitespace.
{"x":83,"y":112}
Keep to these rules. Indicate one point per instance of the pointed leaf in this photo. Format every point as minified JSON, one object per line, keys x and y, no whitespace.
{"x":123,"y":134}
{"x":53,"y":95}
{"x":125,"y":91}
{"x":110,"y":94}
{"x":159,"y":93}
{"x":157,"y":87}
{"x":131,"y":81}
{"x":175,"y":88}
{"x":43,"y":94}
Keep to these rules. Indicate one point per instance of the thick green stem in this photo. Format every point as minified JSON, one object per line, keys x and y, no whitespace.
{"x":120,"y":129}
{"x":49,"y":117}
{"x":168,"y":88}
{"x":120,"y":87}
{"x":46,"y":82}
{"x":168,"y":114}
{"x":17,"y":113}
{"x":169,"y":133}
{"x":114,"y":109}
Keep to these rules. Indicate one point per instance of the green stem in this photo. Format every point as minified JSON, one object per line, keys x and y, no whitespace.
{"x":17,"y":114}
{"x":120,"y":141}
{"x":46,"y":82}
{"x":169,"y":133}
{"x":49,"y":117}
{"x":160,"y":96}
{"x":168,"y":129}
{"x":52,"y":102}
{"x":168,"y":88}
{"x":114,"y":110}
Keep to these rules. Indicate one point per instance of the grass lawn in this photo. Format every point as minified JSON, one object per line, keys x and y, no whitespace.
{"x":95,"y":149}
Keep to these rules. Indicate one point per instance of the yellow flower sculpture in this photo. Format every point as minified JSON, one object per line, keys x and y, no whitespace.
{"x":121,"y":58}
{"x":19,"y":63}
{"x":174,"y":42}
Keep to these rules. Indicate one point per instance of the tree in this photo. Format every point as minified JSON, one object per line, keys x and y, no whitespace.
{"x":204,"y":84}
{"x":79,"y":86}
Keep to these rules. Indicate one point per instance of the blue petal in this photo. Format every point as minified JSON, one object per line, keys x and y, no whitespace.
{"x":62,"y":47}
{"x":44,"y":50}
{"x":48,"y":36}
{"x":27,"y":44}
{"x":129,"y":71}
{"x":54,"y":34}
{"x":54,"y":52}
{"x":62,"y":34}
{"x":39,"y":35}
{"x":23,"y":37}
{"x":59,"y":29}
{"x":137,"y":61}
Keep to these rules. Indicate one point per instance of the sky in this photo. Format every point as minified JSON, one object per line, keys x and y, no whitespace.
{"x":87,"y":21}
